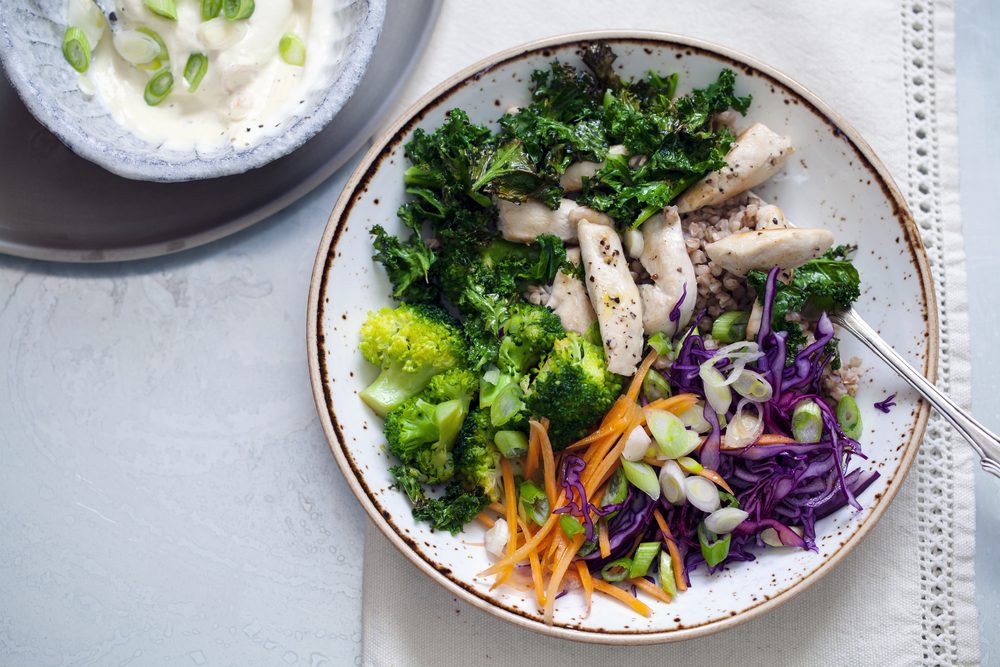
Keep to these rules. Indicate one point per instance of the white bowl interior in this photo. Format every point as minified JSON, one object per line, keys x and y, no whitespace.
{"x":827,"y":183}
{"x":31,"y":34}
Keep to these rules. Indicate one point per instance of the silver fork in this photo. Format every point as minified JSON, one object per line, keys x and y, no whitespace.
{"x":986,"y":444}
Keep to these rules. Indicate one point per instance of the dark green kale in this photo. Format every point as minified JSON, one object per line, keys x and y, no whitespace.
{"x":455,"y":508}
{"x":407,"y":263}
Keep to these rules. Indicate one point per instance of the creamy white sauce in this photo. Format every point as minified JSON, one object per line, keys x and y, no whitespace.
{"x":248,"y":91}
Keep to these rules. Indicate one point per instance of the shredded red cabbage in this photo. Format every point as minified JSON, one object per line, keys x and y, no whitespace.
{"x":887,"y":404}
{"x":675,"y":312}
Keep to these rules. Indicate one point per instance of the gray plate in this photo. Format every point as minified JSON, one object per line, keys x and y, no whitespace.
{"x":57,"y":206}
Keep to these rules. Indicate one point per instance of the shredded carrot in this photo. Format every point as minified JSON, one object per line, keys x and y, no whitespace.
{"x":675,"y":554}
{"x":536,"y":567}
{"x":496,"y":507}
{"x":485,"y":519}
{"x":713,"y":476}
{"x":548,"y":462}
{"x":602,"y":539}
{"x":605,"y":430}
{"x":638,"y":606}
{"x":510,"y":501}
{"x":640,"y":375}
{"x":656,"y":463}
{"x":774,"y":439}
{"x":522,"y":552}
{"x":558,"y":572}
{"x":675,"y":404}
{"x":586,"y":581}
{"x":654,"y":590}
{"x":531,"y":460}
{"x":612,"y":460}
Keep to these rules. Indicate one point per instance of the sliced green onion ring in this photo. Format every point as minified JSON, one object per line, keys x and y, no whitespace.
{"x":661,"y":343}
{"x":713,"y":548}
{"x":238,"y":9}
{"x":672,"y":483}
{"x":195,"y":70}
{"x":162,"y":57}
{"x":655,"y":386}
{"x":724,"y":520}
{"x":754,"y":386}
{"x":292,"y":49}
{"x":642,"y":477}
{"x":165,"y":8}
{"x":210,"y":9}
{"x":672,"y":439}
{"x":702,"y":494}
{"x":730,"y":327}
{"x":636,"y":444}
{"x":76,"y":49}
{"x":570,"y":525}
{"x":158,"y":87}
{"x":645,"y":553}
{"x":718,"y":393}
{"x":807,"y":422}
{"x":667,"y":581}
{"x":849,"y":417}
{"x":616,"y":570}
{"x":746,"y":426}
{"x":135,"y":47}
{"x":533,"y":502}
{"x":617,"y":491}
{"x":512,"y":444}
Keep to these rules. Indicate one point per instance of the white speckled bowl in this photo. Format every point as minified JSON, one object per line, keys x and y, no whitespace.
{"x":31,"y":33}
{"x":834,"y":180}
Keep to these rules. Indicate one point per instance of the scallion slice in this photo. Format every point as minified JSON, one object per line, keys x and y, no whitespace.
{"x":730,"y":327}
{"x":713,"y":548}
{"x":807,"y":422}
{"x":570,"y":525}
{"x":512,"y":444}
{"x":162,"y":57}
{"x":643,"y":559}
{"x":534,"y":502}
{"x":195,"y":69}
{"x":667,"y":581}
{"x":642,"y":477}
{"x":165,"y":8}
{"x":655,"y":386}
{"x":210,"y":9}
{"x":158,"y":88}
{"x":238,"y":9}
{"x":660,"y":343}
{"x":292,"y":49}
{"x":616,"y":570}
{"x":76,"y":49}
{"x":849,"y":416}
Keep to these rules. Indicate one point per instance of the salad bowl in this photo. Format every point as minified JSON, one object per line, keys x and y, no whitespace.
{"x":833,"y":180}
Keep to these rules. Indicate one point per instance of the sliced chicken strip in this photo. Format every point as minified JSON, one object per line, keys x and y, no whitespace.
{"x":754,"y":157}
{"x":614,"y":296}
{"x":572,"y":179}
{"x":743,"y":252}
{"x":770,"y":216}
{"x":569,"y":300}
{"x":665,"y":258}
{"x":525,"y":222}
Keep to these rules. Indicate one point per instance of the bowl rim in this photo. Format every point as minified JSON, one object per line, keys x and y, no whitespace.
{"x":196,"y":168}
{"x":326,"y":255}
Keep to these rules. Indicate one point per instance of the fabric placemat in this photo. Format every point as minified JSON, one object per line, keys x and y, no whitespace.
{"x":905,"y":596}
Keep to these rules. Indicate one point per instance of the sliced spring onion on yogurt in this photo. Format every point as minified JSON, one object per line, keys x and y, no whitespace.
{"x":292,"y":49}
{"x":195,"y":70}
{"x":238,"y":9}
{"x":158,"y":88}
{"x":219,"y":34}
{"x":135,"y":47}
{"x":76,"y":49}
{"x":165,"y":8}
{"x":162,"y":58}
{"x":210,"y":9}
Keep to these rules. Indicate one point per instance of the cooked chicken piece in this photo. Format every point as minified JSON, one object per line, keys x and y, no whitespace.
{"x":526,"y":222}
{"x":743,"y":252}
{"x":568,"y":298}
{"x":590,"y":215}
{"x":665,"y":258}
{"x":614,"y":296}
{"x":572,"y":178}
{"x":770,"y":216}
{"x":754,"y":157}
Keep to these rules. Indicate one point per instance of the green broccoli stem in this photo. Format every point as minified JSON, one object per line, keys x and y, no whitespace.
{"x":393,"y":386}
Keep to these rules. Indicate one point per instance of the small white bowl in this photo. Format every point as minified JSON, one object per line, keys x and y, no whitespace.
{"x":31,"y":33}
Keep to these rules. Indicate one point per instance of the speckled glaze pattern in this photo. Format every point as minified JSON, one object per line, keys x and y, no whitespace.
{"x":31,"y":33}
{"x":834,"y":180}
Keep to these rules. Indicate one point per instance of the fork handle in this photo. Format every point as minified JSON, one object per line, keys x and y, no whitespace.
{"x":986,"y":443}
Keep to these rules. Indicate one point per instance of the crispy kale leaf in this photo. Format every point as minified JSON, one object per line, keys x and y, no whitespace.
{"x":455,"y":508}
{"x":407,"y":263}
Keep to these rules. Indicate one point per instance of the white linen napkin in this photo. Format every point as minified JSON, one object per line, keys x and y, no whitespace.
{"x":906,"y":595}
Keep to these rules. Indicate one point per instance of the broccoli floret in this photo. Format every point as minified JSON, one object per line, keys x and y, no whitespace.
{"x":529,"y":333}
{"x":477,"y":459}
{"x":422,"y":431}
{"x":411,"y":344}
{"x":407,"y":263}
{"x":450,"y":512}
{"x":573,"y":388}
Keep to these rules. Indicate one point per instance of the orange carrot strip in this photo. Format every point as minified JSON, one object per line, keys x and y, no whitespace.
{"x":548,"y":462}
{"x":654,"y":590}
{"x":536,"y":567}
{"x":656,"y":463}
{"x":510,"y":501}
{"x":640,"y":375}
{"x":612,"y":460}
{"x":586,"y":580}
{"x":522,"y":552}
{"x":558,"y":572}
{"x":675,"y":404}
{"x":713,"y":476}
{"x":496,"y":507}
{"x":610,"y":429}
{"x":675,"y":554}
{"x":638,"y":606}
{"x":774,"y":439}
{"x":531,"y":459}
{"x":485,"y":519}
{"x":602,"y":539}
